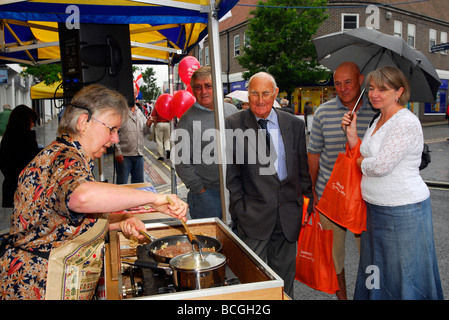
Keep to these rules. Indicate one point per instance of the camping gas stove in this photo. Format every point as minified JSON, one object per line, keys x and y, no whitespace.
{"x":148,"y":282}
{"x":246,"y":276}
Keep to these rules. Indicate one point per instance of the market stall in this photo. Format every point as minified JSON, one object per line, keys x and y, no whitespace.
{"x":161,"y":32}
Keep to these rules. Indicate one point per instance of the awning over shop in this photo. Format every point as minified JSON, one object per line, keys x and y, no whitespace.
{"x":42,"y":91}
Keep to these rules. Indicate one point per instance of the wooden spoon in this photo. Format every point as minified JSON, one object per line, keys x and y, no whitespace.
{"x":189,"y":234}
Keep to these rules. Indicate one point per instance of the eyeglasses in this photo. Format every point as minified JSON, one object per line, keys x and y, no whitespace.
{"x":113,"y":130}
{"x":265,"y":95}
{"x":198,"y":87}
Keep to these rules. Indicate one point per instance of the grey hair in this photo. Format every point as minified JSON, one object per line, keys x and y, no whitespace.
{"x":97,"y":99}
{"x":263,"y":74}
{"x":201,"y":73}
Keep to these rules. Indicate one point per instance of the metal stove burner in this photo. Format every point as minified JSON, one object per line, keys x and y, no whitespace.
{"x":153,"y":281}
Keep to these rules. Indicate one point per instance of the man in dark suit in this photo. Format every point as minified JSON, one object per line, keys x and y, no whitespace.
{"x":267,"y":176}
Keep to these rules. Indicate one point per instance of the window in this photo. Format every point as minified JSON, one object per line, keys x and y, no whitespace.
{"x":206,"y":56}
{"x":443,"y":39}
{"x":200,"y":55}
{"x":411,"y":35}
{"x":246,"y":39}
{"x":398,"y":28}
{"x":432,"y":38}
{"x":350,"y":21}
{"x":236,"y":45}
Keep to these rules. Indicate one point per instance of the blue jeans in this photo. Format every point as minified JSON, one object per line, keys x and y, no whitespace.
{"x":204,"y":205}
{"x":131,"y":165}
{"x":397,"y":255}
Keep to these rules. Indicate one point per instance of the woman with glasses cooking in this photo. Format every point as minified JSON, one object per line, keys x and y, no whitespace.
{"x":55,"y":246}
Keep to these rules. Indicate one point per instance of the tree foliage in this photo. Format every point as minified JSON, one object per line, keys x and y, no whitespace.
{"x":49,"y":73}
{"x":149,"y":89}
{"x":280,"y":34}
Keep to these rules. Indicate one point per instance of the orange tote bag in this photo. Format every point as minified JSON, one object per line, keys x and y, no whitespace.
{"x":314,"y":263}
{"x":342,"y":200}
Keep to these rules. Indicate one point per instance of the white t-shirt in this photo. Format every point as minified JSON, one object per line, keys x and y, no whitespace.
{"x":392,"y":158}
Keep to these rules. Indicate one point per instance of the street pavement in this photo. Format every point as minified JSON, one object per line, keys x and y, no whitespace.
{"x":159,"y":174}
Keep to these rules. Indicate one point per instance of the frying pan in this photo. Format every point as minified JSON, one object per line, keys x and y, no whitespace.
{"x":205,"y":241}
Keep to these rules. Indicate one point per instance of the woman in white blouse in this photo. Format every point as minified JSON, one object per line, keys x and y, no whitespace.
{"x":397,"y":255}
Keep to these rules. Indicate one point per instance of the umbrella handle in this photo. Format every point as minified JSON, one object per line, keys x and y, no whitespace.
{"x":358,"y":100}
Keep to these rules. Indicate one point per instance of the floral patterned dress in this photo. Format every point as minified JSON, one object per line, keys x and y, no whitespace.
{"x":41,"y":219}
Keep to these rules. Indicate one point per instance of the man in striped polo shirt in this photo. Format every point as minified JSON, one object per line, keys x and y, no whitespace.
{"x":327,"y":140}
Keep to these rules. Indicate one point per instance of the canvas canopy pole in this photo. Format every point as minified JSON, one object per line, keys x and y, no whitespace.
{"x":214,"y":47}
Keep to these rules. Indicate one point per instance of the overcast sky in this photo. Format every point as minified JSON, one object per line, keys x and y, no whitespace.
{"x":161,"y":73}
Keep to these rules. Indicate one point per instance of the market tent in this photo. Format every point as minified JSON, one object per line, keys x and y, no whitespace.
{"x":160,"y":31}
{"x":42,"y":91}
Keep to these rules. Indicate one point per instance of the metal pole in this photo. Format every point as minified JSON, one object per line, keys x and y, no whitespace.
{"x":214,"y":47}
{"x":172,"y":128}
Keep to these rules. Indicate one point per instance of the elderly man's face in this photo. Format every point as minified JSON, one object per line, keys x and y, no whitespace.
{"x":261,"y":96}
{"x":203,"y":91}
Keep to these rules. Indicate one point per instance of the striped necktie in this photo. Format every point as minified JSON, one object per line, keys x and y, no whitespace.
{"x":263,"y":125}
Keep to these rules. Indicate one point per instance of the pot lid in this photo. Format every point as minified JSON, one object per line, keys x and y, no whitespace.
{"x":193,"y":261}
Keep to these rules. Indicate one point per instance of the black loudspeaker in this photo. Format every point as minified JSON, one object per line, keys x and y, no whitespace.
{"x":96,"y":53}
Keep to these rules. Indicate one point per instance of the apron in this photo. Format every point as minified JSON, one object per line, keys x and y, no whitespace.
{"x":74,"y":268}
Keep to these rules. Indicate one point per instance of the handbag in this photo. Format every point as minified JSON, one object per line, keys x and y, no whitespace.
{"x":342,"y":200}
{"x":314,"y":263}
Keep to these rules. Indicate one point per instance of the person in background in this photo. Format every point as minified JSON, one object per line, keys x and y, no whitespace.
{"x":18,"y":147}
{"x":399,"y":238}
{"x":4,"y":117}
{"x":60,"y":216}
{"x":307,"y":112}
{"x":199,"y":171}
{"x":228,"y":100}
{"x":129,"y":151}
{"x":267,"y":204}
{"x":284,"y":106}
{"x":161,"y":134}
{"x":327,"y":140}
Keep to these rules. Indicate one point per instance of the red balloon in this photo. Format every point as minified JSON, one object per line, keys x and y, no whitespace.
{"x":163,"y":106}
{"x":187,"y":67}
{"x":189,"y":89}
{"x":182,"y":101}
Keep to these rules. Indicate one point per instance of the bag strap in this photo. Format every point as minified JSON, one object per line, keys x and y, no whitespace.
{"x":374,"y":118}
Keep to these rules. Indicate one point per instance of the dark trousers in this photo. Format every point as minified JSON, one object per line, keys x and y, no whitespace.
{"x":277,"y":252}
{"x":131,"y":165}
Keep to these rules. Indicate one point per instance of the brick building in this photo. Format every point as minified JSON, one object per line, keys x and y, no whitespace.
{"x":420,"y":23}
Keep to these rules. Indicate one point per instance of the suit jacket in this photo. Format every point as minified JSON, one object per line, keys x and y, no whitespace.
{"x":257,"y":200}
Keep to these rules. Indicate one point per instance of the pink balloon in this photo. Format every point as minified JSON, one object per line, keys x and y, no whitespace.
{"x":163,"y":106}
{"x":182,"y":101}
{"x":187,"y":67}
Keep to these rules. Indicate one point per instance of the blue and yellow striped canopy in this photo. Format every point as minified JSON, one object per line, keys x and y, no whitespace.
{"x":167,"y":23}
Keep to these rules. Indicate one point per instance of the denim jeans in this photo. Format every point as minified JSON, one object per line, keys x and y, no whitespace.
{"x":204,"y":205}
{"x":397,"y":255}
{"x":131,"y":165}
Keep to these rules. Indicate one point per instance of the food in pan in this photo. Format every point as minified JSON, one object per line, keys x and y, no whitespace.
{"x":179,"y":248}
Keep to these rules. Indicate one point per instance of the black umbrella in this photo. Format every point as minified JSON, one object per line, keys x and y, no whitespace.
{"x":371,"y":49}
